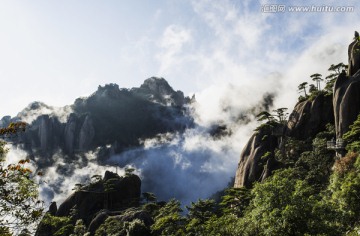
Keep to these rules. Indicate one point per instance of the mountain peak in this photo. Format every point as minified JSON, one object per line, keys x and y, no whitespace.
{"x":157,"y":85}
{"x":158,"y":90}
{"x":108,"y":90}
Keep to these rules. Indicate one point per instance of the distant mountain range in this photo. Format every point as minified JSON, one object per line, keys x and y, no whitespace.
{"x":112,"y":119}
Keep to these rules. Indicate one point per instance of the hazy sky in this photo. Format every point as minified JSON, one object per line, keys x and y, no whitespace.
{"x":56,"y":51}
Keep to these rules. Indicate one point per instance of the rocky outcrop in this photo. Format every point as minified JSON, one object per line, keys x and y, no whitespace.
{"x":46,"y":135}
{"x":52,"y":208}
{"x":310,"y":117}
{"x":115,"y":193}
{"x":346,"y":100}
{"x":39,"y":136}
{"x":252,"y":162}
{"x":307,"y":119}
{"x":354,"y":55}
{"x":346,"y":95}
{"x":110,"y":196}
{"x":158,"y":90}
{"x":5,"y":121}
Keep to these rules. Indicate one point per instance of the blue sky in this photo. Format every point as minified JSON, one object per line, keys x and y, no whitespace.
{"x":56,"y":51}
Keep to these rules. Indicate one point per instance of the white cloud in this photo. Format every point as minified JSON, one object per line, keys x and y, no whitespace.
{"x":172,"y":42}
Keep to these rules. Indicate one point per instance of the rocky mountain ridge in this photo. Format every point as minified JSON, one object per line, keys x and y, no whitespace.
{"x":110,"y":117}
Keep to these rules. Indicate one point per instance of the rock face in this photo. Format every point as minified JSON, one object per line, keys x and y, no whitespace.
{"x":46,"y":134}
{"x":346,"y":96}
{"x":307,"y":119}
{"x":346,"y":101}
{"x":158,"y":90}
{"x":310,"y":117}
{"x":87,"y":133}
{"x":354,"y":55}
{"x":123,"y":193}
{"x":112,"y":196}
{"x":69,"y":134}
{"x":251,"y":164}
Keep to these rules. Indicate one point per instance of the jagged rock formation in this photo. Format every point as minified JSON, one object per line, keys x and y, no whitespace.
{"x":158,"y":90}
{"x":111,"y":116}
{"x":94,"y":203}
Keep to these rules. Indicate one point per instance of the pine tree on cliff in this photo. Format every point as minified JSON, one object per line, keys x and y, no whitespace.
{"x":302,"y":87}
{"x":264,"y":115}
{"x":335,"y":71}
{"x":281,"y":114}
{"x":317,"y":78}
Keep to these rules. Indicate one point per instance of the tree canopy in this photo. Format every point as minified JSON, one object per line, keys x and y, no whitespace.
{"x":20,"y":206}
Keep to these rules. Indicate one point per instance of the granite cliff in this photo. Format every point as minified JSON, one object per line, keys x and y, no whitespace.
{"x":308,"y":118}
